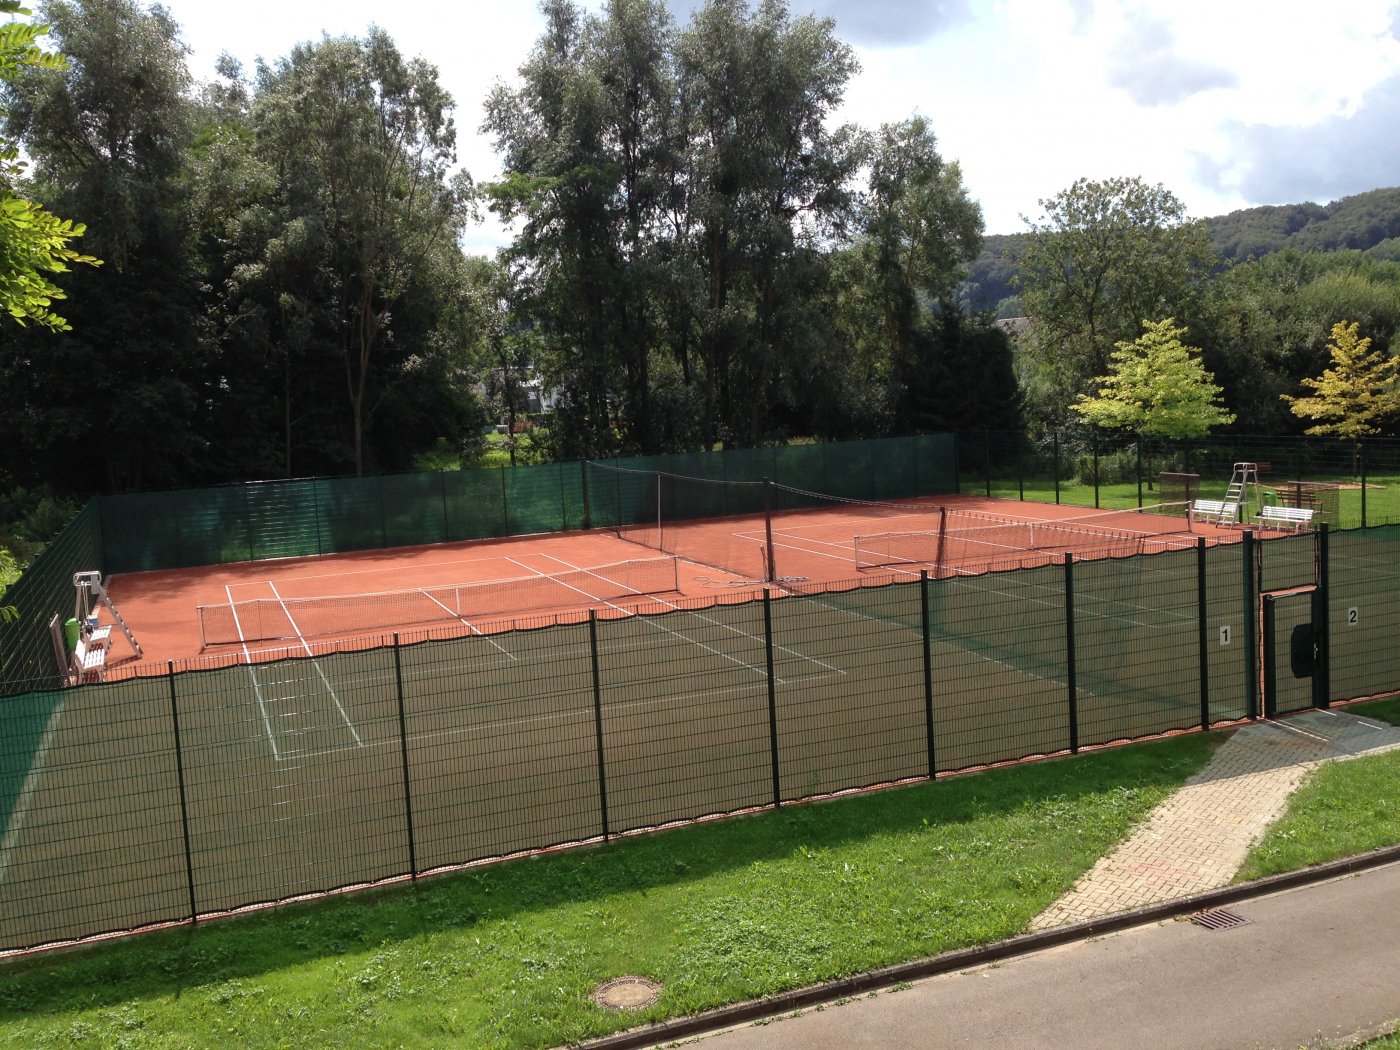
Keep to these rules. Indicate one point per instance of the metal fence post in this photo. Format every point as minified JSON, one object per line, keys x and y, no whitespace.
{"x":1056,"y":435}
{"x":1251,"y":633}
{"x":598,"y":720}
{"x":928,"y":673}
{"x":1322,"y":623}
{"x":1096,"y":470}
{"x":1202,"y":630}
{"x":180,"y":777}
{"x":587,"y":510}
{"x":1137,"y":443}
{"x":1363,"y":488}
{"x":403,"y":754}
{"x":987,"y":460}
{"x":772,"y":696}
{"x":1070,"y":681}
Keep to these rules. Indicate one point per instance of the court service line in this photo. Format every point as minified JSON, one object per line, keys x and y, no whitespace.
{"x":473,"y":627}
{"x":257,"y":689}
{"x":711,"y":620}
{"x":317,"y":664}
{"x":657,"y":626}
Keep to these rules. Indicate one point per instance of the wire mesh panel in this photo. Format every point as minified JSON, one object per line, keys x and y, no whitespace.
{"x":46,"y":590}
{"x":543,"y":498}
{"x":293,"y":777}
{"x":999,"y":666}
{"x":850,"y":685}
{"x":283,"y":519}
{"x":413,"y":509}
{"x":350,"y":512}
{"x":1137,"y":646}
{"x":1287,"y":561}
{"x":801,"y":467}
{"x":685,"y":714}
{"x":1228,"y":654}
{"x":476,"y":504}
{"x":748,"y":464}
{"x":502,"y":749}
{"x":1364,"y":611}
{"x":92,"y":840}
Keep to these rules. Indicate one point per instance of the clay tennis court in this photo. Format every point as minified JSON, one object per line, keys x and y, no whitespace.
{"x":340,"y":602}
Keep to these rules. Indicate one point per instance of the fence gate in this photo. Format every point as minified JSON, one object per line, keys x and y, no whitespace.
{"x":1293,"y":655}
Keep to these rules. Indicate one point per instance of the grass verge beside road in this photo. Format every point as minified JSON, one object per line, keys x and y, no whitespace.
{"x":506,"y":956}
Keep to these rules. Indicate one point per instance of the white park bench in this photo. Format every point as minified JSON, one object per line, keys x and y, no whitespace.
{"x":1208,"y":509}
{"x":89,"y":660}
{"x":1296,"y":519}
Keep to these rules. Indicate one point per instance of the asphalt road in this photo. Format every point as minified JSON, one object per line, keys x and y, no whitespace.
{"x":1313,"y":967}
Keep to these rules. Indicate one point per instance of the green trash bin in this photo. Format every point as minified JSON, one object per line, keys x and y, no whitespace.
{"x":70,"y":634}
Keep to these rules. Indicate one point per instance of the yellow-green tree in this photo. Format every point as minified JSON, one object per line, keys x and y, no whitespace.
{"x":1156,"y":385}
{"x":1351,"y":398}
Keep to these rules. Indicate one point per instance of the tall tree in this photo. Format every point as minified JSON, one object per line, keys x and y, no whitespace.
{"x":362,"y":147}
{"x":121,"y":396}
{"x":1357,"y":393}
{"x":1102,"y":256}
{"x":1157,"y":386}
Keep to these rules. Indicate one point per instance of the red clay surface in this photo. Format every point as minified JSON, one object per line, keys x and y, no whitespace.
{"x":811,"y":547}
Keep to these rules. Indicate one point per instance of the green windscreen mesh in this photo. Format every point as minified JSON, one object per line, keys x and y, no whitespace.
{"x":999,"y":665}
{"x":27,"y":658}
{"x":1364,"y":611}
{"x":1137,"y":643}
{"x":309,"y":774}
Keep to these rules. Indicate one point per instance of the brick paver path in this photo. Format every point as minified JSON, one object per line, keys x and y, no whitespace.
{"x":1198,"y":838}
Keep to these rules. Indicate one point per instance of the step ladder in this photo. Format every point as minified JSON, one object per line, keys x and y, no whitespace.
{"x":89,"y":594}
{"x":1244,"y":481}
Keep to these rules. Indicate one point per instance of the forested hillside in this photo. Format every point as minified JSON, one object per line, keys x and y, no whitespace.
{"x":1367,"y":222}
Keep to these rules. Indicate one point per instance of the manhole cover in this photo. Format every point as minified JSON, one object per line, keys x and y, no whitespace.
{"x":1218,"y":919}
{"x":626,"y":993}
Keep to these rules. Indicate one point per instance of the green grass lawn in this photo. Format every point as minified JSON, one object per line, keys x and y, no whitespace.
{"x":505,"y":956}
{"x":1340,"y":810}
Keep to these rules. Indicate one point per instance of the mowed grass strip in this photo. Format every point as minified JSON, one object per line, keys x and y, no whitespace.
{"x":1340,"y":810}
{"x":506,"y":956}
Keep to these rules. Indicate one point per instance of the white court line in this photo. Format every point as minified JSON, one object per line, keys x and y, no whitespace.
{"x":27,"y":791}
{"x":711,"y":620}
{"x":317,"y":664}
{"x":473,"y":627}
{"x":257,"y":689}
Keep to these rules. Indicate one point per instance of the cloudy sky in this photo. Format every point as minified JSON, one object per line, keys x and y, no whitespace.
{"x":1228,"y":103}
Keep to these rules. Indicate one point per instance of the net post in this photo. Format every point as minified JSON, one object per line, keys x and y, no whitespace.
{"x":598,"y":722}
{"x":928,"y":672}
{"x":772,"y":574}
{"x":403,"y":755}
{"x":180,"y":778}
{"x":772,"y":696}
{"x":1070,"y":681}
{"x":1251,"y":634}
{"x":1202,"y":631}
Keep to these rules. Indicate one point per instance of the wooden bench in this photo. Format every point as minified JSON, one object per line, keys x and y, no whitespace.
{"x":89,"y":660}
{"x":1295,"y":519}
{"x":1210,"y":509}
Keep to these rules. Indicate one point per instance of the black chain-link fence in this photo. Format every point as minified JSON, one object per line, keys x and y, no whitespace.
{"x":166,"y":797}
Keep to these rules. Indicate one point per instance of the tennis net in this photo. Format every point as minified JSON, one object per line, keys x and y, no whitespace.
{"x":979,"y":542}
{"x":270,"y":619}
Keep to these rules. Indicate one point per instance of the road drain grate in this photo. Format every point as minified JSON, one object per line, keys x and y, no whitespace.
{"x":1218,"y":919}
